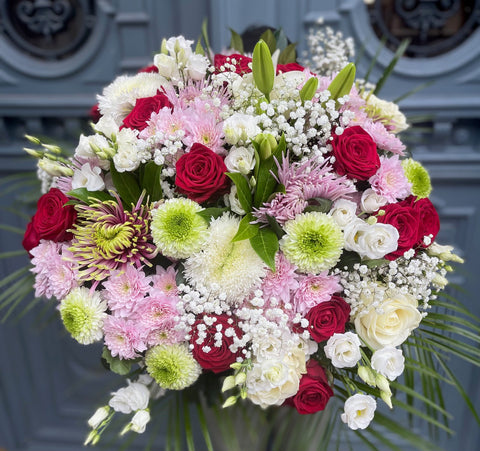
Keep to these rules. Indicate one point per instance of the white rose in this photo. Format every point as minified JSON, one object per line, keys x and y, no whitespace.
{"x":271,"y":382}
{"x":344,"y":212}
{"x":370,"y":240}
{"x":389,"y":362}
{"x":359,"y":411}
{"x":240,"y":128}
{"x":139,"y":421}
{"x":391,"y":322}
{"x":343,"y":350}
{"x":197,"y":66}
{"x":240,"y":159}
{"x":371,"y":201}
{"x":131,"y":398}
{"x":88,"y":177}
{"x":166,"y":65}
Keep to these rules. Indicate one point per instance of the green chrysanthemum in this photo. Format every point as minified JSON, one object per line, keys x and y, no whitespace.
{"x":82,"y":314}
{"x":177,"y":230}
{"x":172,"y":366}
{"x":418,"y":176}
{"x":313,"y":241}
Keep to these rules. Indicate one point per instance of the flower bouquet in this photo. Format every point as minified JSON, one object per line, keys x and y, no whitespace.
{"x":247,"y":221}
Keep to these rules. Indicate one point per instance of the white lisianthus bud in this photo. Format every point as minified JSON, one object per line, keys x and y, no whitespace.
{"x":367,"y":375}
{"x":235,"y":205}
{"x":89,"y":178}
{"x":359,"y":411}
{"x":240,"y":128}
{"x":382,"y":383}
{"x":371,"y":240}
{"x":343,"y":350}
{"x":240,"y":159}
{"x":444,"y":252}
{"x":344,"y":212}
{"x":197,"y":66}
{"x":131,"y":398}
{"x":54,"y":168}
{"x":97,"y":418}
{"x":140,"y":420}
{"x":228,"y":383}
{"x":371,"y":201}
{"x":389,"y":362}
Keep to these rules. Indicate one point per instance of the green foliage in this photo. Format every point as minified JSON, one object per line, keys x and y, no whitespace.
{"x":262,"y":68}
{"x":343,"y":82}
{"x":118,"y":366}
{"x":265,"y":244}
{"x":243,"y":190}
{"x":150,"y":180}
{"x":236,"y":41}
{"x":127,"y":186}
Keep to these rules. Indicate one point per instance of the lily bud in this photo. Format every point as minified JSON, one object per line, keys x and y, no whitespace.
{"x":267,"y":144}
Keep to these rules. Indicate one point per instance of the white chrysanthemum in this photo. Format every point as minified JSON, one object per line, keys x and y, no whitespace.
{"x":119,"y":97}
{"x":82,"y":313}
{"x":223,"y":266}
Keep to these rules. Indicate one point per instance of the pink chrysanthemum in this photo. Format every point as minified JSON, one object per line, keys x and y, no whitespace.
{"x":383,"y":138}
{"x":282,"y":282}
{"x":164,"y":124}
{"x":205,"y":129}
{"x":124,"y":338}
{"x":124,"y":289}
{"x":303,"y":182}
{"x":106,"y":238}
{"x":314,"y":289}
{"x":390,"y":180}
{"x":54,"y":276}
{"x":164,"y":281}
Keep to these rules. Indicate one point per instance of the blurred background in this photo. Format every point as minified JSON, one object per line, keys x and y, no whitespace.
{"x":56,"y":55}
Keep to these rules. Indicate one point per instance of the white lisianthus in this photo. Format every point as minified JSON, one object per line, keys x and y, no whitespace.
{"x":235,"y":205}
{"x":140,"y":420}
{"x":177,"y":44}
{"x":371,"y":240}
{"x":443,"y":252}
{"x":97,"y":418}
{"x":386,"y":112}
{"x":371,"y":201}
{"x":166,"y":65}
{"x":344,"y":212}
{"x":359,"y":411}
{"x":240,"y":159}
{"x":197,"y":66}
{"x":107,"y":126}
{"x":88,"y":177}
{"x":343,"y":350}
{"x":131,"y":398}
{"x":271,"y":382}
{"x":240,"y":128}
{"x":389,"y":362}
{"x":391,"y":322}
{"x":131,"y":151}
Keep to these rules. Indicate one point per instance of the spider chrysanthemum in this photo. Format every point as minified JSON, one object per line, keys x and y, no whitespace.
{"x":418,"y":176}
{"x":82,"y":313}
{"x":313,"y":242}
{"x":177,"y":230}
{"x":172,"y":366}
{"x":106,"y":237}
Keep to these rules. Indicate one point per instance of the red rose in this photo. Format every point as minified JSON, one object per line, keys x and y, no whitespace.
{"x":51,"y":221}
{"x":95,"y":114}
{"x":355,"y":153}
{"x":201,"y":174}
{"x":207,"y":353}
{"x":406,"y":219}
{"x":314,"y":391}
{"x":428,"y":220}
{"x":241,"y":63}
{"x":143,"y":109}
{"x":151,"y":68}
{"x":289,"y":67}
{"x":328,"y":318}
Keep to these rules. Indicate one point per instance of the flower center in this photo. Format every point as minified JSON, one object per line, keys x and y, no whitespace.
{"x":113,"y":239}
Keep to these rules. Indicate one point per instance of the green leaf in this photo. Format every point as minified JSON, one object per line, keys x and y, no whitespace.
{"x":348,"y":259}
{"x":383,"y":41}
{"x":205,"y":34}
{"x":199,"y":50}
{"x":272,"y":222}
{"x":262,"y":68}
{"x":269,"y":39}
{"x":266,"y":182}
{"x":319,"y":204}
{"x":281,"y":39}
{"x":265,"y":244}
{"x":245,"y":229}
{"x":89,"y":197}
{"x":204,"y":427}
{"x":309,"y":89}
{"x":343,"y":82}
{"x":211,"y":212}
{"x":288,"y":54}
{"x":236,"y":41}
{"x":115,"y":364}
{"x":150,"y":180}
{"x":126,"y":184}
{"x":389,"y":69}
{"x":243,"y":190}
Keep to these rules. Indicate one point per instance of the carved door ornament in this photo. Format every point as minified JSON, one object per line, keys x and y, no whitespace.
{"x":433,"y":26}
{"x":47,"y":29}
